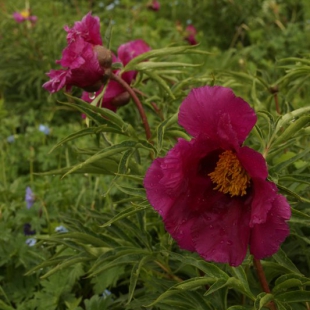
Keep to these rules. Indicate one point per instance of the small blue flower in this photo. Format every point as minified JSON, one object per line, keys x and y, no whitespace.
{"x":61,"y":229}
{"x":31,"y":241}
{"x":110,"y":7}
{"x":10,"y":139}
{"x":106,"y":294}
{"x":44,"y":129}
{"x":29,"y":197}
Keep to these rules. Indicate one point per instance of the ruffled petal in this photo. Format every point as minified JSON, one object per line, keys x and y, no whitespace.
{"x":58,"y":79}
{"x":267,"y":237}
{"x":222,"y":234}
{"x":202,"y":109}
{"x":88,"y":29}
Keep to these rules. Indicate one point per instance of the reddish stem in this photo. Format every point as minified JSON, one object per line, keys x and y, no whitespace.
{"x":137,"y":102}
{"x":263,"y":281}
{"x":154,"y":105}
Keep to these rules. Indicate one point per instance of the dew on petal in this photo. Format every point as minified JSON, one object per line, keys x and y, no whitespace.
{"x":92,"y":96}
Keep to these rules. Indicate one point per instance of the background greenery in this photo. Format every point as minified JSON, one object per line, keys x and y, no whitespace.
{"x":116,"y":254}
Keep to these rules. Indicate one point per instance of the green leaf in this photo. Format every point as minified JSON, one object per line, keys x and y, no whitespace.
{"x":187,"y":49}
{"x":295,"y":296}
{"x":149,"y":65}
{"x":108,"y":35}
{"x":240,"y":308}
{"x":124,"y":214}
{"x":107,"y":116}
{"x":241,"y":276}
{"x":189,"y":284}
{"x":109,"y":151}
{"x":291,"y":193}
{"x":286,"y":285}
{"x":265,"y":300}
{"x":292,"y":129}
{"x":4,"y":306}
{"x":135,"y":271}
{"x":105,"y":166}
{"x":209,"y":269}
{"x":286,"y":118}
{"x":281,"y":258}
{"x":220,"y":283}
{"x":300,"y":217}
{"x":85,"y":132}
{"x":160,"y":81}
{"x":161,"y":130}
{"x":130,"y":256}
{"x":278,"y":167}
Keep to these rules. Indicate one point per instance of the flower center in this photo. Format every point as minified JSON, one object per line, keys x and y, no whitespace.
{"x":24,"y":13}
{"x":229,"y":175}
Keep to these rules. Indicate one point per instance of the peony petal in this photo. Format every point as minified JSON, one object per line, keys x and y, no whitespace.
{"x":132,"y":49}
{"x":201,"y":111}
{"x":58,"y":79}
{"x":264,"y":193}
{"x":72,"y":55}
{"x":253,"y":162}
{"x":156,"y":191}
{"x":266,"y":237}
{"x":88,"y":29}
{"x":128,"y":51}
{"x":19,"y":18}
{"x":222,"y":234}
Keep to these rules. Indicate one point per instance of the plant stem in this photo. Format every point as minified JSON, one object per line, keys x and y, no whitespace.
{"x":137,"y":103}
{"x":275,"y":96}
{"x":263,"y":281}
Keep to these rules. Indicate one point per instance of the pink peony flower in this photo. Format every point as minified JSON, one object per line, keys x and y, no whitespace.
{"x":212,"y":191}
{"x":85,"y":60}
{"x":154,"y":5}
{"x":190,"y":35}
{"x":23,"y":16}
{"x":115,"y":95}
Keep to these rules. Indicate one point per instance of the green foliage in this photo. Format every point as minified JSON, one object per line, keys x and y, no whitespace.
{"x":88,"y":175}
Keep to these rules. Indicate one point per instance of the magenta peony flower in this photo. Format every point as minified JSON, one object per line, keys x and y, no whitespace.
{"x":211,"y":191}
{"x":84,"y":59}
{"x":154,"y":5}
{"x":115,"y":95}
{"x":23,"y":16}
{"x":191,"y":34}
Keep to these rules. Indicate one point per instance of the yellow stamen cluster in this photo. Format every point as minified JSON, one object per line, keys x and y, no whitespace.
{"x":25,"y":13}
{"x":229,"y":175}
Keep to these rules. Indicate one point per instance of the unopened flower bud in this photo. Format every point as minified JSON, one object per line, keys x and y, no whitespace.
{"x":104,"y":56}
{"x":121,"y":99}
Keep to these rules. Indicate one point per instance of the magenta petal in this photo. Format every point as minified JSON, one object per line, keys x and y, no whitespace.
{"x":72,"y":55}
{"x":132,"y":49}
{"x":267,"y":237}
{"x":223,"y":235}
{"x":126,"y":52}
{"x":58,"y":79}
{"x":202,"y":109}
{"x":253,"y":162}
{"x":19,"y":18}
{"x":155,"y":191}
{"x":113,"y":90}
{"x":88,"y":29}
{"x":264,"y":194}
